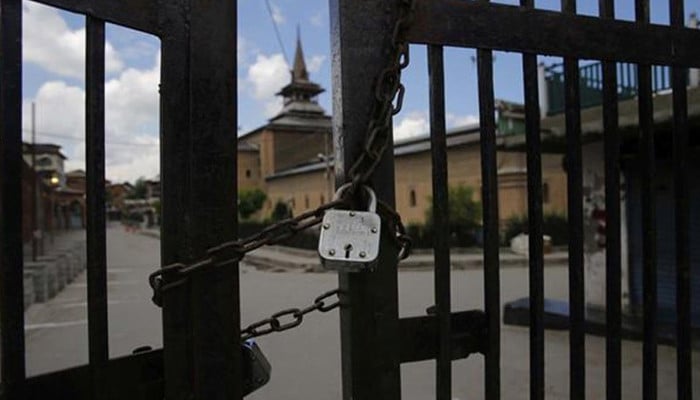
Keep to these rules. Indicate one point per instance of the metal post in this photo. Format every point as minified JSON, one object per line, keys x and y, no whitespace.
{"x":369,"y":315}
{"x":198,"y":170}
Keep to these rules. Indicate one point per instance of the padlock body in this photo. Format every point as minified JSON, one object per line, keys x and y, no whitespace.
{"x":349,"y":240}
{"x":256,"y":368}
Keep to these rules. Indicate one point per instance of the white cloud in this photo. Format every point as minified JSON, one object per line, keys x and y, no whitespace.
{"x":131,"y":120}
{"x":456,"y":121}
{"x":266,"y":76}
{"x":412,"y":124}
{"x":50,"y":43}
{"x":315,"y":63}
{"x":277,"y":14}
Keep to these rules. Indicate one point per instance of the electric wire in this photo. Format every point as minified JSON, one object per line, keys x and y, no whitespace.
{"x":277,"y":31}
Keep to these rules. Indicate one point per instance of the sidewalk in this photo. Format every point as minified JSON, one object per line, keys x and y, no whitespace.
{"x":279,"y":258}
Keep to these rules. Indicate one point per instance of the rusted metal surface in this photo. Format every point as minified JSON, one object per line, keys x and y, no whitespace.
{"x":470,"y":24}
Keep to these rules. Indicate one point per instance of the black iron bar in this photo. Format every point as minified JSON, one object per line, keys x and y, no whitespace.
{"x":215,"y":296}
{"x":11,"y":267}
{"x":489,"y":198}
{"x":613,"y":278}
{"x":647,"y":156}
{"x":577,"y":338}
{"x":136,"y":14}
{"x":440,"y":210}
{"x":98,"y":333}
{"x":679,"y":78}
{"x":535,"y":219}
{"x":198,"y":168}
{"x":175,"y":237}
{"x":470,"y":24}
{"x":369,"y":326}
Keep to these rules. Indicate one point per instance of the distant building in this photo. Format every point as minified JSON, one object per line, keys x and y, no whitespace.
{"x":299,"y":135}
{"x":290,"y":159}
{"x":49,"y":162}
{"x":65,"y":192}
{"x":116,"y":193}
{"x":631,"y":162}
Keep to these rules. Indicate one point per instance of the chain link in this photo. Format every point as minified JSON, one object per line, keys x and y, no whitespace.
{"x":389,"y":95}
{"x":294,"y":317}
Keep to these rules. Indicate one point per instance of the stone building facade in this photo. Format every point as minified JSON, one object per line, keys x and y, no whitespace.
{"x":289,"y":158}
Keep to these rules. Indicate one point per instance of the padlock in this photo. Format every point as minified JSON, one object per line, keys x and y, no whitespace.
{"x":349,"y":239}
{"x":256,"y":368}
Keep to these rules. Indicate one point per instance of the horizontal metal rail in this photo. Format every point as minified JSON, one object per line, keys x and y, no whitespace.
{"x":471,"y":24}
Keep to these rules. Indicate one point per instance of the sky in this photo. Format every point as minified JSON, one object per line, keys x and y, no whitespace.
{"x":54,"y":64}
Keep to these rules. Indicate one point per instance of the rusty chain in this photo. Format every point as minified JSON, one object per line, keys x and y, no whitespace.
{"x":275,"y":322}
{"x":388,"y":95}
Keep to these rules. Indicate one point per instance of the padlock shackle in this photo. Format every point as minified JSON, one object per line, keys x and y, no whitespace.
{"x":372,"y":196}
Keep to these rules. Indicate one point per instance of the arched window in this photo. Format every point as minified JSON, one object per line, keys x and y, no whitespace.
{"x":412,"y":198}
{"x":306,"y":201}
{"x":247,"y":173}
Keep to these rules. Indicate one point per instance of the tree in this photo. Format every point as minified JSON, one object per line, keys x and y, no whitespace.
{"x":464,"y":215}
{"x":140,"y":189}
{"x":280,"y":212}
{"x":250,"y":201}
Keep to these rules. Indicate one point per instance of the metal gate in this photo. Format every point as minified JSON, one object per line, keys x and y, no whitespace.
{"x":201,"y":356}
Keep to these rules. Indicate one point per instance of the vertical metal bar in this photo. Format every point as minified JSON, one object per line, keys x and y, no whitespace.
{"x":489,"y":177}
{"x":11,"y":267}
{"x":201,"y":321}
{"x":215,"y":301}
{"x":577,"y":338}
{"x":535,"y":219}
{"x":648,"y":170}
{"x":174,"y":167}
{"x":534,"y":196}
{"x":613,"y":244}
{"x":682,"y":211}
{"x":98,"y":333}
{"x":574,"y":198}
{"x":441,"y":246}
{"x":369,"y":326}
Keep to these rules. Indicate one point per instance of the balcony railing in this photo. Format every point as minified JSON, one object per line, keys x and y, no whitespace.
{"x":591,"y":82}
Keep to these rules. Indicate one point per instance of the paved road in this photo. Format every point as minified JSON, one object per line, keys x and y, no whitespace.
{"x":306,"y":361}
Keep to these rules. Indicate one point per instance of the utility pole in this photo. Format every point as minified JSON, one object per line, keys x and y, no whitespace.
{"x":34,"y":186}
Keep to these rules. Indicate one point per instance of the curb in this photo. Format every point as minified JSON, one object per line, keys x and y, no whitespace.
{"x":280,"y":258}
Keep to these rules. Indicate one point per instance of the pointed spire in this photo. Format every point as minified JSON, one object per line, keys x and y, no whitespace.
{"x":299,"y":73}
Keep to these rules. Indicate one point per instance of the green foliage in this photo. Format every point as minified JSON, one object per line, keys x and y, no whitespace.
{"x":250,"y":201}
{"x":553,"y":224}
{"x":140,"y":189}
{"x":464,"y":214}
{"x":464,"y":211}
{"x":281,"y":211}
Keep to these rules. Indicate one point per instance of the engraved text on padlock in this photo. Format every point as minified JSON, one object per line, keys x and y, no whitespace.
{"x":349,"y":239}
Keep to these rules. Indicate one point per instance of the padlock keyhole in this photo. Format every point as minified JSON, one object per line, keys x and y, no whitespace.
{"x":348,"y":249}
